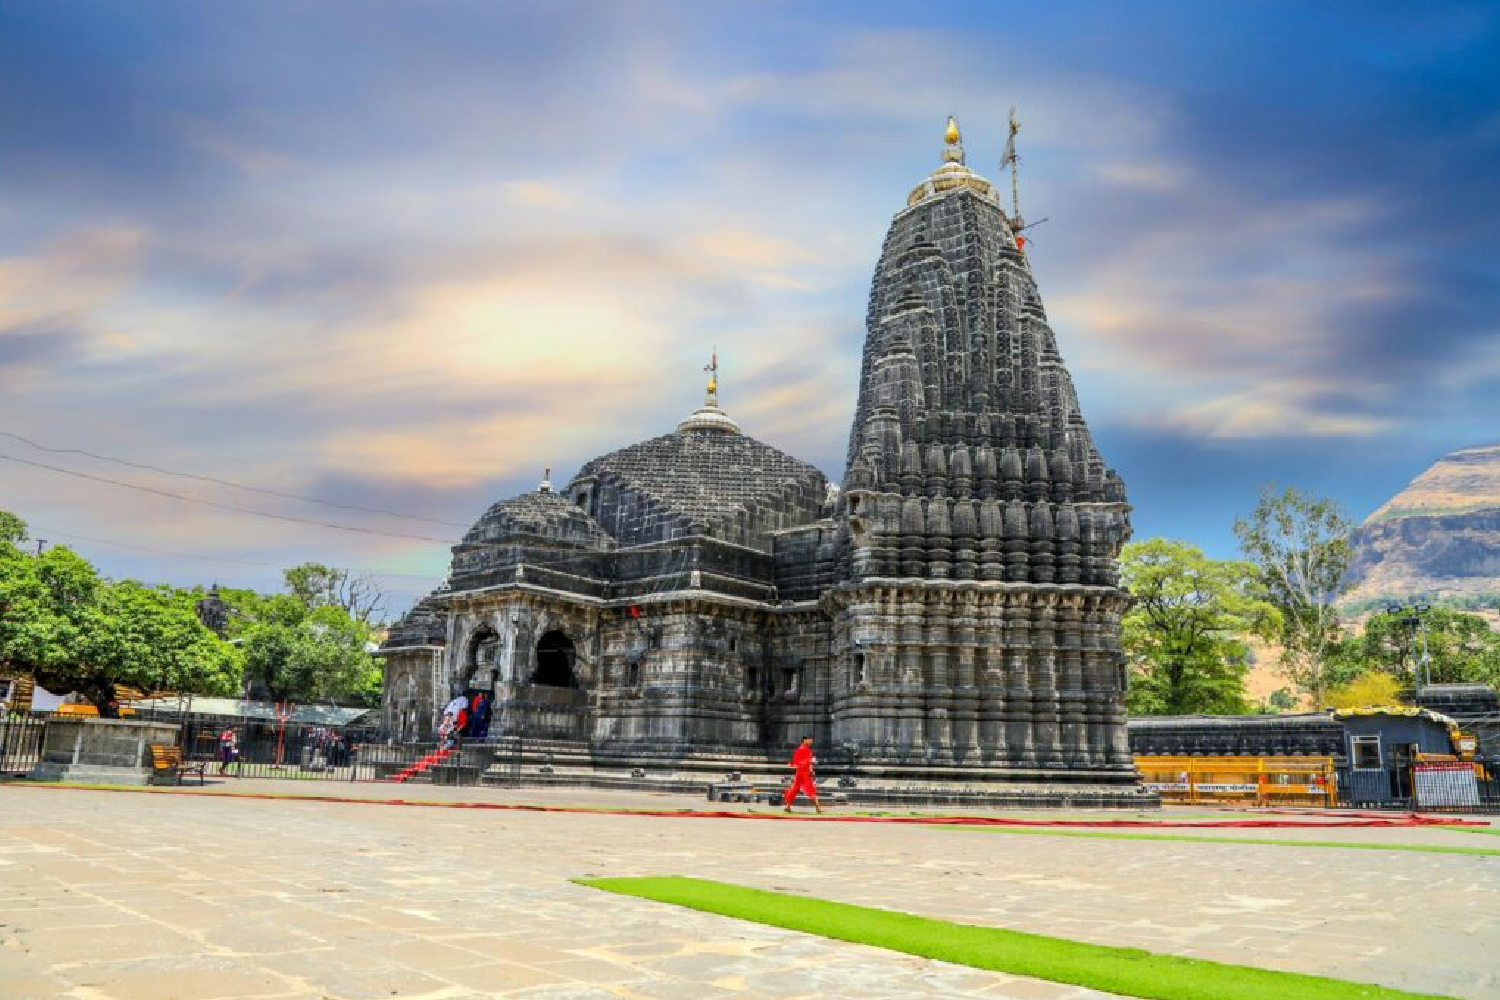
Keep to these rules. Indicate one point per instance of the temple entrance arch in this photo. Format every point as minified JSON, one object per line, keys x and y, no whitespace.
{"x":555,"y":660}
{"x":481,"y":656}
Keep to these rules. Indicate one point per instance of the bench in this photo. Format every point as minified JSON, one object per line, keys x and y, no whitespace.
{"x":168,"y":767}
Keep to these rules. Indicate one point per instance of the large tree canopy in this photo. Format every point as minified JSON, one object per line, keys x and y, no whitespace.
{"x":75,"y":632}
{"x":1301,"y":546}
{"x":1184,"y":633}
{"x":320,"y":586}
{"x":1459,"y":647}
{"x":309,"y":654}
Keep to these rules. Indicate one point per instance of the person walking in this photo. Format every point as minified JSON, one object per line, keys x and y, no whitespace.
{"x":229,"y":749}
{"x":802,"y":776}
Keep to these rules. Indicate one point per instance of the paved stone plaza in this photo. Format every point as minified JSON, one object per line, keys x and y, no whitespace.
{"x":129,"y":896}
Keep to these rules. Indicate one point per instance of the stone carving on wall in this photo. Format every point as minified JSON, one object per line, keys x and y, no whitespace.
{"x":951,"y":613}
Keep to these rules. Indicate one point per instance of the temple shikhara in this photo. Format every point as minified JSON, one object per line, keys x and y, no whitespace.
{"x":946,"y":624}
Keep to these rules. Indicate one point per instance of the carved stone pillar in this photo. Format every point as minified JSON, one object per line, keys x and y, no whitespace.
{"x":1043,"y":666}
{"x":1072,"y":697}
{"x":1019,"y":711}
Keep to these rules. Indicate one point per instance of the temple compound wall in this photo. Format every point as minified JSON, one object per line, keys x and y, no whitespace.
{"x":697,"y":602}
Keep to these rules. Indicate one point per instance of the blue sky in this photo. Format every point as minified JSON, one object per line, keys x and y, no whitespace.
{"x":407,"y":255}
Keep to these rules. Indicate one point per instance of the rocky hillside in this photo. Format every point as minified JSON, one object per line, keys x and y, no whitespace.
{"x":1439,"y":536}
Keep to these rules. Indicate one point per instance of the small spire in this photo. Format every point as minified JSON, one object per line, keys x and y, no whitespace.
{"x":953,"y":150}
{"x":546,"y":486}
{"x":708,"y":418}
{"x":712,"y":398}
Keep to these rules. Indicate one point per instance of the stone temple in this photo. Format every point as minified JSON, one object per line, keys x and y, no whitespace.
{"x":946,"y":625}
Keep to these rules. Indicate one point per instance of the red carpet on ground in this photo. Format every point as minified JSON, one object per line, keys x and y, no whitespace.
{"x":1326,"y":820}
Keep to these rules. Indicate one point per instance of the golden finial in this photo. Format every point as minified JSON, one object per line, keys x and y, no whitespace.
{"x":953,"y":150}
{"x":713,"y":378}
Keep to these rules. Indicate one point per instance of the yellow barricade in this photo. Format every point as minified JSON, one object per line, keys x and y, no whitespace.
{"x":1258,"y":781}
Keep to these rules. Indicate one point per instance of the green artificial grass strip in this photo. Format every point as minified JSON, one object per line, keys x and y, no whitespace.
{"x":1129,"y":972}
{"x":1187,"y":838}
{"x":1486,"y":830}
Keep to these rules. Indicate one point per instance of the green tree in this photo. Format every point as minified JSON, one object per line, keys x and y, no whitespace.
{"x":1278,"y":702}
{"x":316,"y":654}
{"x":142,"y":637}
{"x":75,"y":632}
{"x":13,"y":530}
{"x":1460,"y":648}
{"x":320,"y":586}
{"x":1183,"y":634}
{"x":45,"y":603}
{"x":1301,"y":546}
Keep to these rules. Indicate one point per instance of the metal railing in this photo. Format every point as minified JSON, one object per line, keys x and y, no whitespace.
{"x":281,"y":749}
{"x":20,"y":743}
{"x":1398,"y":788}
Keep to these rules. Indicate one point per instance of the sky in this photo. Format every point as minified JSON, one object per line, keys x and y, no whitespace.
{"x":406,"y":256}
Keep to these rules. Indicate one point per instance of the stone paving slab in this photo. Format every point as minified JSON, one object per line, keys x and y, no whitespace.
{"x":1318,"y":821}
{"x":109,"y":896}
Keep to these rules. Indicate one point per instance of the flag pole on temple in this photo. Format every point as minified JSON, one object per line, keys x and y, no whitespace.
{"x":1009,"y":159}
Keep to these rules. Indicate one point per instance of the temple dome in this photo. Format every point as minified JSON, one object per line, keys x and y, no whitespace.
{"x":950,"y":177}
{"x":426,"y":624}
{"x":708,"y":477}
{"x":541,"y":514}
{"x":708,"y":419}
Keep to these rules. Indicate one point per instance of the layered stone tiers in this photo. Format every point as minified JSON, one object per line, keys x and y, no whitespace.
{"x":697,"y":602}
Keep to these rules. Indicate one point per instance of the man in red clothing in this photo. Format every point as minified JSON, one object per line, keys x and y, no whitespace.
{"x":802,"y":776}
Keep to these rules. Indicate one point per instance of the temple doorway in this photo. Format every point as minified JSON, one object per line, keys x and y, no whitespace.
{"x":482,"y":658}
{"x":555,"y":658}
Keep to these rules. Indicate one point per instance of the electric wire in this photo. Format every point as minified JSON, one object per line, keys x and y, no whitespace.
{"x":155,"y":552}
{"x":215,"y":559}
{"x":228,"y":482}
{"x":224,"y":506}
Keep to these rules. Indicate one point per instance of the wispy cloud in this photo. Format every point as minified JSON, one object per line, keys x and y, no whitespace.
{"x":358,"y":249}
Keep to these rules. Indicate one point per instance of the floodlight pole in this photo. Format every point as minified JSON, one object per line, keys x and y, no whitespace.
{"x":1415,"y":621}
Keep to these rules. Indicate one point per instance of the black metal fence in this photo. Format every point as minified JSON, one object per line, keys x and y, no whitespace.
{"x":307,"y":751}
{"x":20,"y":743}
{"x":1392,"y":788}
{"x":319,"y":752}
{"x":260,"y":748}
{"x":273,"y":748}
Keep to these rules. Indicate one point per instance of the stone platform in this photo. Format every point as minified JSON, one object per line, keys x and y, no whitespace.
{"x":100,"y":751}
{"x":573,"y":764}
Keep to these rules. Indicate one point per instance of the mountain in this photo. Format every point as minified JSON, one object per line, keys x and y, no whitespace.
{"x":1440,"y":536}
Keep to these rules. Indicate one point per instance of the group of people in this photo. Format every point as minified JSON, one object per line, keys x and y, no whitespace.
{"x":465,"y":716}
{"x":331,"y":744}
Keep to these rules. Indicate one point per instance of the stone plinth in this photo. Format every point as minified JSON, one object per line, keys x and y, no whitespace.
{"x":102,"y":751}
